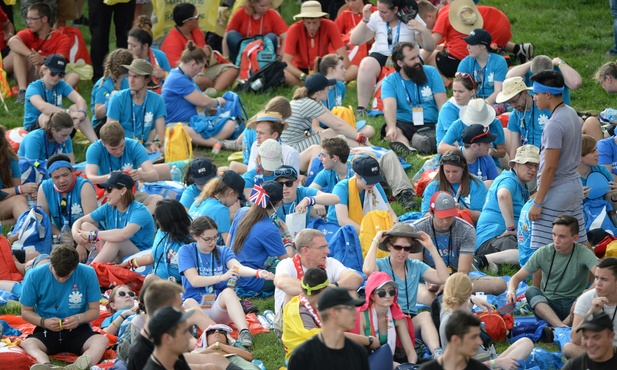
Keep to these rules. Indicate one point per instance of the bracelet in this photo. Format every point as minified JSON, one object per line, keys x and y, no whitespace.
{"x":492,"y":363}
{"x":257,"y":273}
{"x":302,"y":76}
{"x":335,"y":284}
{"x":157,"y":141}
{"x":510,"y":228}
{"x":116,"y":325}
{"x":370,"y":341}
{"x":218,"y":103}
{"x":311,"y":201}
{"x":361,"y":138}
{"x":18,"y":190}
{"x":42,"y":323}
{"x":84,"y":112}
{"x":561,"y":61}
{"x":375,"y":240}
{"x":537,"y":204}
{"x":512,"y":291}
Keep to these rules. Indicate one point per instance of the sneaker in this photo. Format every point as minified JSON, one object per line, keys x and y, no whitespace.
{"x":361,"y":113}
{"x":406,"y":199}
{"x":493,"y":268}
{"x":611,"y":53}
{"x":525,"y":52}
{"x":401,"y":149}
{"x":83,"y":362}
{"x":245,"y":338}
{"x":248,"y":307}
{"x":437,"y":352}
{"x":21,"y":97}
{"x":232,"y":145}
{"x":480,"y":262}
{"x":47,"y":366}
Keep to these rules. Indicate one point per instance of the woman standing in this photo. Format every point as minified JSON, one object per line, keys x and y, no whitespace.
{"x":346,"y":21}
{"x":53,"y":138}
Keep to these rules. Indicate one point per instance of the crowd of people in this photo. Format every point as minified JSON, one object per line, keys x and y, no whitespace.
{"x":518,"y":178}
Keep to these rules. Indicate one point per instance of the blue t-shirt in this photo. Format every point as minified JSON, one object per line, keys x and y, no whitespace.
{"x":136,"y":213}
{"x":189,"y":257}
{"x":600,"y":169}
{"x":484,"y":168}
{"x":189,"y":194}
{"x":249,"y":177}
{"x":608,"y":153}
{"x":102,"y":94}
{"x":133,"y":156}
{"x":327,"y":179}
{"x":566,"y":89}
{"x":41,"y":290}
{"x":449,"y":113}
{"x":491,"y":223}
{"x":212,"y":207}
{"x":137,"y":120}
{"x":53,"y":96}
{"x":336,"y":95}
{"x":523,"y":235}
{"x":161,"y":60}
{"x":36,"y":145}
{"x":342,"y":190}
{"x":263,"y":241}
{"x":529,"y":124}
{"x":125,"y":323}
{"x":408,"y":94}
{"x":407,"y":295}
{"x":165,"y":256}
{"x":15,"y":174}
{"x":455,"y":132}
{"x":176,"y":87}
{"x":474,"y":201}
{"x":249,"y":136}
{"x":73,"y":209}
{"x":495,"y":70}
{"x":286,"y":208}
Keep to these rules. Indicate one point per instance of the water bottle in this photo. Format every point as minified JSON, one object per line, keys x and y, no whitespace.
{"x":66,"y":237}
{"x":231,"y":283}
{"x":55,"y":241}
{"x":176,"y":174}
{"x":216,"y":149}
{"x":31,"y":201}
{"x":609,"y":115}
{"x":92,"y":255}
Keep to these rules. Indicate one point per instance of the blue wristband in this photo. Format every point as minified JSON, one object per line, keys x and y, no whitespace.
{"x":537,"y":204}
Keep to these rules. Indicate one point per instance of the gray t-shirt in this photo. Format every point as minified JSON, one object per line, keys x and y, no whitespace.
{"x":562,"y":131}
{"x":303,"y":111}
{"x":583,"y":304}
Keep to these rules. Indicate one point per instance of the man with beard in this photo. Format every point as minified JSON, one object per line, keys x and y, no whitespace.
{"x":412,"y":97}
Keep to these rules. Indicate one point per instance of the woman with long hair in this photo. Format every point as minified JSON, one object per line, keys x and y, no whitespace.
{"x":463,"y":90}
{"x":123,"y":226}
{"x":453,"y":177}
{"x":12,"y":200}
{"x":113,"y":80}
{"x":140,"y":45}
{"x":217,"y":196}
{"x":53,"y":138}
{"x":182,"y":98}
{"x":45,"y":96}
{"x":209,"y":271}
{"x":122,"y":304}
{"x":255,"y":236}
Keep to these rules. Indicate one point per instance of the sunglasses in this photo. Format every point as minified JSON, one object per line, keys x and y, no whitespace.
{"x":220,"y":331}
{"x":465,"y":75}
{"x":402,"y":247}
{"x":109,"y":189}
{"x":122,"y":293}
{"x":60,"y":74}
{"x":450,"y":158}
{"x":288,"y":183}
{"x":191,"y":18}
{"x":286,"y":172}
{"x":381,"y":293}
{"x":208,"y":240}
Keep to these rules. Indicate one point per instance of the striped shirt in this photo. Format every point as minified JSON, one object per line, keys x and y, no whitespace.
{"x":303,"y":111}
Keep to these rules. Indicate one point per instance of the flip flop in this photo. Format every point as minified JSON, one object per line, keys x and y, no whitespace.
{"x":401,"y":149}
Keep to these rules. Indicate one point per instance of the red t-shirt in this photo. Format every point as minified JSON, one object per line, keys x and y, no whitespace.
{"x":247,"y":26}
{"x":3,"y":18}
{"x":298,"y":43}
{"x":56,"y":43}
{"x":495,"y":22}
{"x":346,"y":22}
{"x":175,"y":43}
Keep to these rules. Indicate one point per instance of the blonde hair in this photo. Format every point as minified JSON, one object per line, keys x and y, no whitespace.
{"x":456,"y":291}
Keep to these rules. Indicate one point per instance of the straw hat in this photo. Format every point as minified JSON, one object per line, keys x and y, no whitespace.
{"x":266,"y":116}
{"x":464,"y":16}
{"x":511,"y":87}
{"x":477,"y":111}
{"x":311,"y":9}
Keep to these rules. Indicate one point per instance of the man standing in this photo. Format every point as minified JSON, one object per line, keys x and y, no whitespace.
{"x":598,"y":336}
{"x":412,"y":97}
{"x":330,"y":349}
{"x":564,"y":265}
{"x":312,"y":252}
{"x":171,"y":334}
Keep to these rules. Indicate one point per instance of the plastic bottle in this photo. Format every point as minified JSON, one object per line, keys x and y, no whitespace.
{"x":92,"y":255}
{"x":216,"y":149}
{"x":31,"y":201}
{"x":66,"y":237}
{"x":176,"y":174}
{"x":609,"y":115}
{"x":231,"y":283}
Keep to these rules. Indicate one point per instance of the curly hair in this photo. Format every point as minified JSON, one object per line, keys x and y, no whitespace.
{"x":142,"y":30}
{"x":6,"y":156}
{"x":114,"y":62}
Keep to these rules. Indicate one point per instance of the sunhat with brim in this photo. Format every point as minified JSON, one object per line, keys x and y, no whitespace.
{"x":402,"y":229}
{"x":526,"y":154}
{"x":477,"y":112}
{"x":266,"y":116}
{"x":464,"y":16}
{"x":311,"y":9}
{"x":511,"y":87}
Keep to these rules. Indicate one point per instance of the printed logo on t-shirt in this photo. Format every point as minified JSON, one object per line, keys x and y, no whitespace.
{"x":542,"y":120}
{"x":148,"y":119}
{"x":490,"y":79}
{"x":524,"y":228}
{"x":127,"y":167}
{"x":75,"y":298}
{"x":59,"y":100}
{"x":427,"y":93}
{"x":76,"y":210}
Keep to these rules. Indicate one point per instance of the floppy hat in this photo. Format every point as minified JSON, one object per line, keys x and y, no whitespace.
{"x":333,"y":297}
{"x":475,"y":133}
{"x":266,"y":116}
{"x":367,"y":167}
{"x":317,"y":82}
{"x":140,"y":67}
{"x":442,"y":205}
{"x":311,"y":9}
{"x":464,"y":16}
{"x":477,"y":111}
{"x":526,"y":153}
{"x":402,"y":229}
{"x":271,"y":155}
{"x":511,"y":87}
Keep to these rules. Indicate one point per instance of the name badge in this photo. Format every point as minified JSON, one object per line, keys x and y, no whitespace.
{"x":418,"y":116}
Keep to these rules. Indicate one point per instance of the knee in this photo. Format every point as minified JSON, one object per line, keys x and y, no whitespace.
{"x":535,"y":296}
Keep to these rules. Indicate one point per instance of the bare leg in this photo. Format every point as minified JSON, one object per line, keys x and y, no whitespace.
{"x":229,"y":301}
{"x":591,"y":127}
{"x":509,"y":256}
{"x":226,"y":79}
{"x":352,"y":73}
{"x":150,"y":202}
{"x":572,"y":350}
{"x":21,"y":68}
{"x":425,"y":297}
{"x":308,"y":155}
{"x":519,"y":350}
{"x":115,"y":251}
{"x":13,"y":207}
{"x":203,"y":82}
{"x":227,"y":131}
{"x":199,"y":318}
{"x":72,"y":79}
{"x":198,"y":139}
{"x":291,"y":80}
{"x":489,"y":285}
{"x":368,"y":131}
{"x":423,"y":323}
{"x":36,"y":349}
{"x":368,"y":73}
{"x":95,"y":347}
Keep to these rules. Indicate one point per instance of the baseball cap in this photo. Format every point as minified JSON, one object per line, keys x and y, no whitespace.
{"x":596,"y":321}
{"x":443,"y":206}
{"x":479,"y":36}
{"x":317,"y":82}
{"x":140,"y":67}
{"x":274,"y":190}
{"x":287,"y":172}
{"x":202,"y":170}
{"x":234,"y":181}
{"x":404,"y":230}
{"x":164,"y":319}
{"x":474,"y":134}
{"x":271,"y":155}
{"x":333,"y":297}
{"x":367,"y":167}
{"x":526,"y":153}
{"x":118,"y":179}
{"x":56,"y":63}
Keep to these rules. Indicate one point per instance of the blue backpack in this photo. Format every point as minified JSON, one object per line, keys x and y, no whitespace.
{"x":33,"y":170}
{"x":345,"y":247}
{"x":33,"y":229}
{"x":265,"y":50}
{"x":328,"y":229}
{"x":234,"y":109}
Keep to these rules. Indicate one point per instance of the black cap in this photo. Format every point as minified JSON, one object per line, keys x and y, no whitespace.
{"x":474,"y":134}
{"x":317,"y":82}
{"x":368,"y":168}
{"x":287,"y":172}
{"x":479,"y":36}
{"x":274,"y":190}
{"x":182,"y":12}
{"x":202,"y":170}
{"x":234,"y":181}
{"x":56,"y":63}
{"x":596,"y":321}
{"x":118,"y":179}
{"x":333,"y":297}
{"x":165,"y":319}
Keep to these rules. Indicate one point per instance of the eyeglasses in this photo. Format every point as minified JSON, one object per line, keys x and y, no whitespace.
{"x":191,"y":18}
{"x":407,"y":248}
{"x":321,"y":248}
{"x":286,"y":172}
{"x":59,"y":74}
{"x":514,"y":100}
{"x":208,"y":240}
{"x":484,"y":133}
{"x":122,"y":293}
{"x":532,"y":166}
{"x":288,"y":183}
{"x":32,"y":19}
{"x":450,"y":158}
{"x":381,"y":293}
{"x":465,"y":75}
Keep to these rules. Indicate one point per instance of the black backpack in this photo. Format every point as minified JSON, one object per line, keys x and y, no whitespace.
{"x":267,"y":78}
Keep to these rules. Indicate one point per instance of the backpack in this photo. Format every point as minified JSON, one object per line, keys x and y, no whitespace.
{"x":234,"y":109}
{"x":268,"y":78}
{"x":597,"y":215}
{"x":425,"y":140}
{"x":345,"y":247}
{"x":33,"y":170}
{"x":33,"y":230}
{"x":371,"y":224}
{"x":15,"y":136}
{"x":255,"y":53}
{"x":377,"y":100}
{"x":328,"y":229}
{"x":178,"y":143}
{"x":496,"y":326}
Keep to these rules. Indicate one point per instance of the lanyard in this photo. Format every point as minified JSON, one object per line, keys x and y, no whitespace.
{"x":56,"y":149}
{"x":457,"y":195}
{"x":40,"y":48}
{"x":389,"y":35}
{"x":68,"y":207}
{"x":394,"y":277}
{"x":409,"y":99}
{"x":118,"y":217}
{"x":449,"y":264}
{"x":54,"y":91}
{"x":564,"y":270}
{"x":308,"y":48}
{"x":143,"y":118}
{"x":200,"y":265}
{"x":261,"y":26}
{"x":480,"y":74}
{"x":109,"y":156}
{"x":165,"y":251}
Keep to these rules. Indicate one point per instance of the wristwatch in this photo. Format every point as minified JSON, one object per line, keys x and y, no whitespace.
{"x":370,"y":341}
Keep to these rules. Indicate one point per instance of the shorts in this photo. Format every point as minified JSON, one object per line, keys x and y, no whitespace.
{"x":64,"y":341}
{"x":447,"y":64}
{"x":380,"y":58}
{"x":408,"y":129}
{"x":20,"y":254}
{"x":212,"y":73}
{"x":217,"y":313}
{"x":497,"y":244}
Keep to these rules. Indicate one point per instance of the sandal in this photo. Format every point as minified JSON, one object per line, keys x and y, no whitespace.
{"x":401,"y":149}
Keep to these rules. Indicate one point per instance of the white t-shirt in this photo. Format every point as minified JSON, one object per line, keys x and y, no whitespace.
{"x":334,"y":269}
{"x":291,"y":157}
{"x":583,"y":304}
{"x":377,"y":25}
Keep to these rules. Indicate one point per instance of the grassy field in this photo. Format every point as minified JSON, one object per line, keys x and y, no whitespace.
{"x":578,"y":31}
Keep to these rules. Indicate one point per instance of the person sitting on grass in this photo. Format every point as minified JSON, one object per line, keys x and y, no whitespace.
{"x":269,"y":158}
{"x":200,"y":171}
{"x":53,"y":138}
{"x":122,"y":305}
{"x":477,"y":141}
{"x":172,"y":336}
{"x":216,"y":338}
{"x":12,"y":194}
